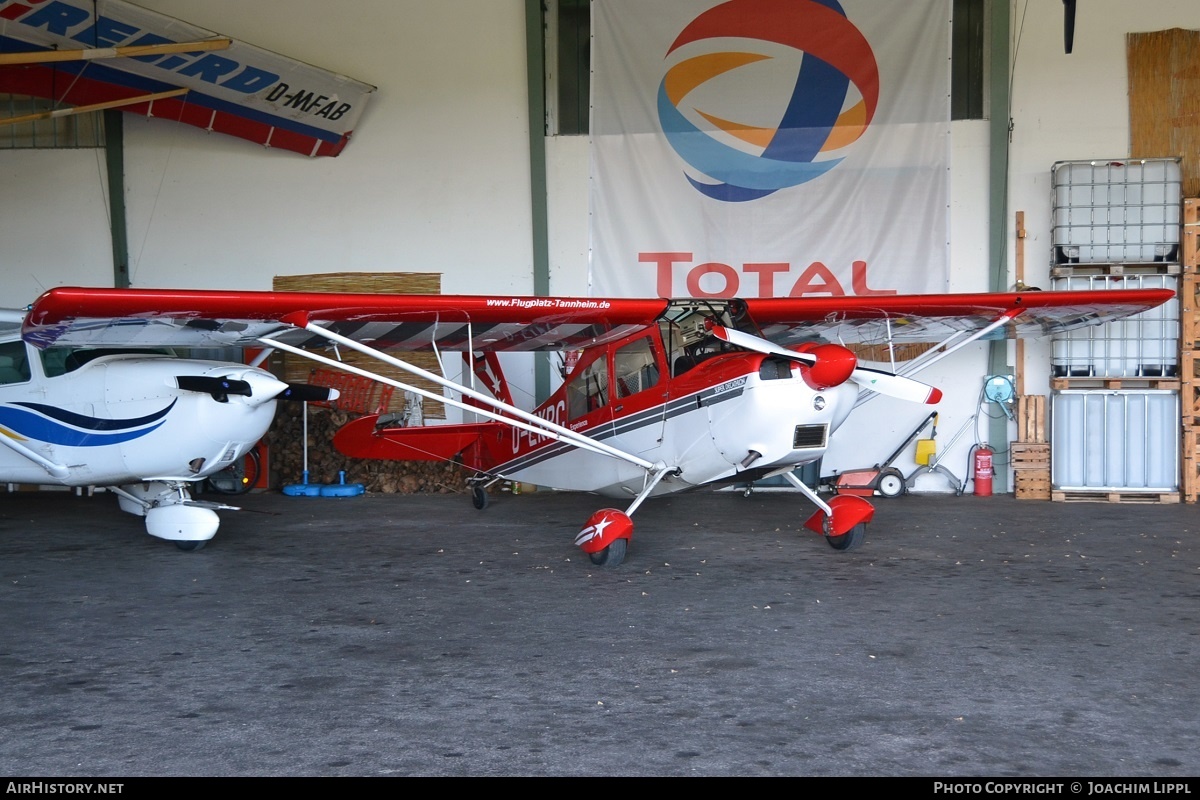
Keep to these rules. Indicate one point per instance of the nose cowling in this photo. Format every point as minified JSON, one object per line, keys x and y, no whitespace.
{"x":833,"y":366}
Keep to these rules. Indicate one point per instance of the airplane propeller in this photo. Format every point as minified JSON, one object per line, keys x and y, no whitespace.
{"x":832,"y":364}
{"x":219,"y":388}
{"x":258,"y":388}
{"x":308,"y":393}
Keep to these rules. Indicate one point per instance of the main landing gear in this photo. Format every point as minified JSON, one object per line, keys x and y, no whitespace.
{"x":849,"y":540}
{"x":842,"y":521}
{"x":605,"y":536}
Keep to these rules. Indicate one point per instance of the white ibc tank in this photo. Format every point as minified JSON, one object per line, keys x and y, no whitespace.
{"x":1117,"y":212}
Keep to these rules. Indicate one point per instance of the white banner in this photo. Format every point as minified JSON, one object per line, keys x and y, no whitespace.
{"x":769,"y":148}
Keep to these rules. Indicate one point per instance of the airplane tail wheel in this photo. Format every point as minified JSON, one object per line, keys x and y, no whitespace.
{"x":479,"y":497}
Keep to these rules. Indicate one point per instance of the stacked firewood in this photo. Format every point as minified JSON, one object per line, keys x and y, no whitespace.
{"x":286,"y":446}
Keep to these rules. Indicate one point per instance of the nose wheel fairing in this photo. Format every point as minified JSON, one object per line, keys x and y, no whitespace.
{"x":170,"y":512}
{"x":842,"y":521}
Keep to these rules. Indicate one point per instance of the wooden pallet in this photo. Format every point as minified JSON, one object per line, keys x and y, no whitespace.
{"x":1190,"y":463}
{"x":1189,"y":355}
{"x":1189,"y":304}
{"x":1190,"y":244}
{"x":1032,"y":484}
{"x":1189,"y":402}
{"x":1150,"y":268}
{"x":1031,"y":418}
{"x":1189,"y":365}
{"x":1029,"y":456}
{"x":1102,"y":496}
{"x":1060,"y":384}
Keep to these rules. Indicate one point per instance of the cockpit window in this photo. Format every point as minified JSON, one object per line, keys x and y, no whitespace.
{"x":61,"y":360}
{"x":635,"y":367}
{"x":588,"y":390}
{"x":14,"y":365}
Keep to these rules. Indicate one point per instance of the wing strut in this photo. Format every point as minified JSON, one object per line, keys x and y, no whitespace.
{"x":59,"y":471}
{"x":72,"y":110}
{"x":539,"y":426}
{"x":128,"y":51}
{"x":925,"y":359}
{"x":921,"y":363}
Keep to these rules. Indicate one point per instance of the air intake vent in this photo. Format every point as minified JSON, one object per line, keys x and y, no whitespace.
{"x":774,"y":369}
{"x":807,"y":436}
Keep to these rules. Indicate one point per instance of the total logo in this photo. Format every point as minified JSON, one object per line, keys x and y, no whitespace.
{"x":763,"y":95}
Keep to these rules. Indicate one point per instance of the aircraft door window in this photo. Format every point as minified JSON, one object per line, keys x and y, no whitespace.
{"x":54,"y":361}
{"x":14,"y":366}
{"x":635,"y":367}
{"x":588,"y":390}
{"x":58,"y":361}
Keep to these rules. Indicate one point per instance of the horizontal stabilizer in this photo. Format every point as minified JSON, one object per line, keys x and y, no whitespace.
{"x":361,"y":438}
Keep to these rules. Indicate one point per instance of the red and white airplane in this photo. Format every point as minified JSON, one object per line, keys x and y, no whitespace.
{"x":664,"y":396}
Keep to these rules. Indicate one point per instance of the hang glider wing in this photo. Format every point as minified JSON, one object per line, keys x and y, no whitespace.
{"x":108,"y":53}
{"x":197,"y":318}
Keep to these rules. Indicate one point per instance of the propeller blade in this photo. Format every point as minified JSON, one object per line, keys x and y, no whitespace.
{"x":871,"y":379}
{"x":308,"y":393}
{"x":896,"y":386}
{"x":758,"y":344}
{"x":219,"y":388}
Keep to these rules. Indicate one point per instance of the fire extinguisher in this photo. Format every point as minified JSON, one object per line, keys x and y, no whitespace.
{"x":983,"y":471}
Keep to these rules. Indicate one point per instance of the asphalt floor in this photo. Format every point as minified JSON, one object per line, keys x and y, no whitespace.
{"x":413,"y":635}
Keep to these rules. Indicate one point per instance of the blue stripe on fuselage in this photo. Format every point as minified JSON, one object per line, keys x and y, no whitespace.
{"x":58,"y":426}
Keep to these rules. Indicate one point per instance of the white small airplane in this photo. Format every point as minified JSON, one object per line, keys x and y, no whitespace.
{"x":664,"y":396}
{"x":139,"y":422}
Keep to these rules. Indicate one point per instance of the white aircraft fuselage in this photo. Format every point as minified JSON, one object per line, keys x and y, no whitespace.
{"x":738,"y":425}
{"x":144,"y":425}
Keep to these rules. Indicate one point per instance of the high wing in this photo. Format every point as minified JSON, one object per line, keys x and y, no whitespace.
{"x":145,"y":317}
{"x":93,"y":54}
{"x":934,"y":318}
{"x":197,"y":318}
